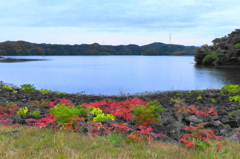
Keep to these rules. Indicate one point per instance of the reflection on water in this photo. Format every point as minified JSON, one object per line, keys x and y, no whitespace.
{"x":224,"y":75}
{"x":113,"y":75}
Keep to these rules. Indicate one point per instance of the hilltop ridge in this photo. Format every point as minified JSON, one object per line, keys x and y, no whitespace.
{"x":23,"y":48}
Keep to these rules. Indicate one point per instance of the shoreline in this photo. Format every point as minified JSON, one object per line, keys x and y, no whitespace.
{"x":10,"y":60}
{"x":145,"y":93}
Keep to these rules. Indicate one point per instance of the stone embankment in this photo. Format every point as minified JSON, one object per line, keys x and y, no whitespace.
{"x":224,"y":123}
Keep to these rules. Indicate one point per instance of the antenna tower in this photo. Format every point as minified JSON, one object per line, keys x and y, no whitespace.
{"x":170,"y":38}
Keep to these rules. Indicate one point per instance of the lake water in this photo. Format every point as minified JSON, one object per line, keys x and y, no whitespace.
{"x":116,"y":75}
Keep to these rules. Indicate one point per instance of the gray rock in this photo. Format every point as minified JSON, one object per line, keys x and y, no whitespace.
{"x":215,"y":117}
{"x":23,"y":100}
{"x":158,"y":128}
{"x":194,"y":119}
{"x":224,"y":131}
{"x":233,"y":136}
{"x":236,"y":115}
{"x":217,"y":123}
{"x":108,"y":122}
{"x":225,"y":119}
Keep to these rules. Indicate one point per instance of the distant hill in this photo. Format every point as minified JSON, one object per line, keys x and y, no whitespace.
{"x":23,"y":48}
{"x":224,"y":51}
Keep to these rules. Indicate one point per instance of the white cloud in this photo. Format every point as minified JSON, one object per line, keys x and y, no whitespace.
{"x":192,"y":22}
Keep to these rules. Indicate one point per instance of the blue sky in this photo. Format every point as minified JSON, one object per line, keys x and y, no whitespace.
{"x":116,"y":22}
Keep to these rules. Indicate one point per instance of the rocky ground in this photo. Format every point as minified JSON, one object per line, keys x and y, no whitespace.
{"x":223,"y":124}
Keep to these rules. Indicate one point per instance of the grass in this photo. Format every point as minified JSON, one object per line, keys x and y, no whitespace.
{"x":49,"y":143}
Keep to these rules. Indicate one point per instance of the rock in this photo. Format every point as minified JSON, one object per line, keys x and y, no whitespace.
{"x":225,"y":119}
{"x":194,"y":119}
{"x":166,"y":119}
{"x":236,"y":115}
{"x":214,"y":95}
{"x":23,"y":100}
{"x":174,"y":131}
{"x":215,"y":117}
{"x":217,"y":123}
{"x":158,"y":128}
{"x":109,"y":122}
{"x":233,"y":136}
{"x":224,"y":131}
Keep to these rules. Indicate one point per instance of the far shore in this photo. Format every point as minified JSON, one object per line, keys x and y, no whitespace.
{"x":9,"y":60}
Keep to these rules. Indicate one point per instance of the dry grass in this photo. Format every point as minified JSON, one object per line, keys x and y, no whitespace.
{"x":50,"y":144}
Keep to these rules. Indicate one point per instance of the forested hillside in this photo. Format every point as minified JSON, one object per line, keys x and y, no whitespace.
{"x":23,"y":48}
{"x":224,"y":51}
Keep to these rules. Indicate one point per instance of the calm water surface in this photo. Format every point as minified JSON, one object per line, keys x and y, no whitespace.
{"x":115,"y":75}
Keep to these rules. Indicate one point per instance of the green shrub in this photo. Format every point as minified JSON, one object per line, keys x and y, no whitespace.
{"x":179,"y":94}
{"x":8,"y":103}
{"x":175,"y":99}
{"x":14,"y":91}
{"x":28,"y":88}
{"x":231,"y":114}
{"x":63,"y":113}
{"x":44,"y":91}
{"x":22,"y":112}
{"x":199,"y":97}
{"x":231,"y":88}
{"x":100,"y":116}
{"x":237,"y":46}
{"x":234,"y":98}
{"x":35,"y":113}
{"x":146,"y":114}
{"x":199,"y":91}
{"x":60,"y":93}
{"x":213,"y":100}
{"x":8,"y":87}
{"x":209,"y":59}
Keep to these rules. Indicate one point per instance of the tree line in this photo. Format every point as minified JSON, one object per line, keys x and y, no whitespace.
{"x":224,"y":51}
{"x":23,"y":48}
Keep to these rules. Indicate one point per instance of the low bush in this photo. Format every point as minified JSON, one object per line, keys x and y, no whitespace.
{"x":199,"y":91}
{"x":231,"y":114}
{"x":22,"y":112}
{"x":63,"y":112}
{"x":209,"y":59}
{"x":100,"y":116}
{"x":60,"y":93}
{"x":234,"y":98}
{"x":44,"y":91}
{"x":199,"y":97}
{"x":35,"y":113}
{"x":147,"y":114}
{"x":213,"y":100}
{"x":231,"y":88}
{"x":28,"y":88}
{"x":8,"y":87}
